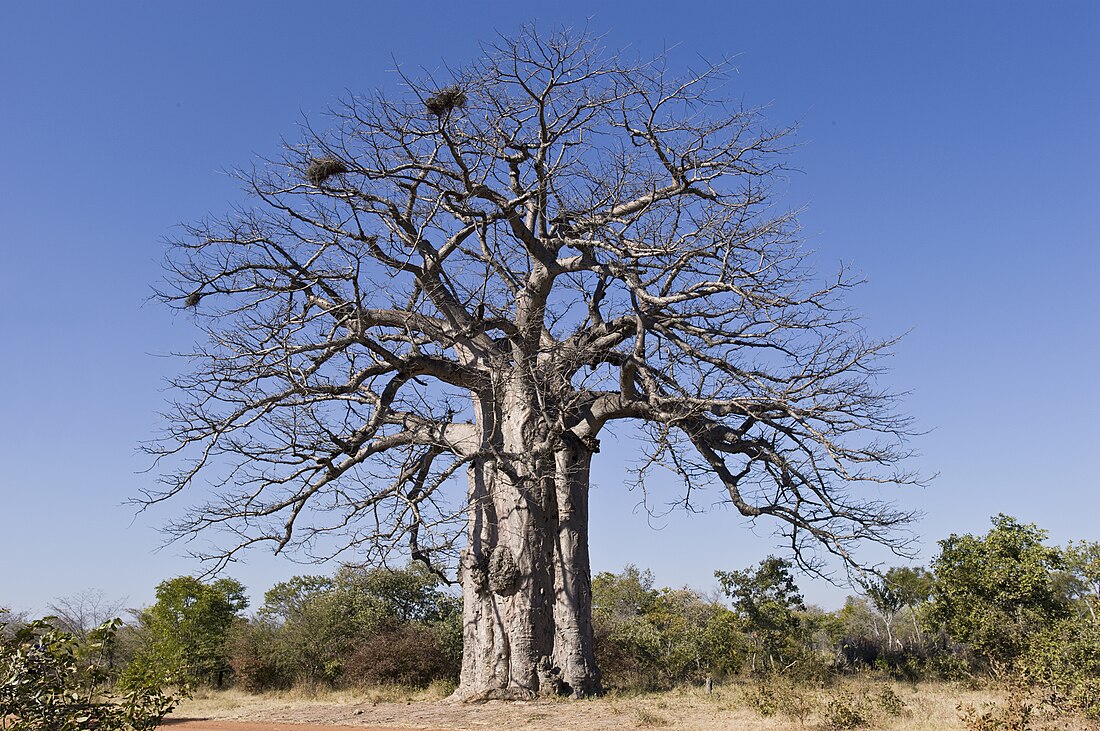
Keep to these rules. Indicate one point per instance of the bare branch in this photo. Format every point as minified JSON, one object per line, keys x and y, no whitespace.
{"x":482,"y":273}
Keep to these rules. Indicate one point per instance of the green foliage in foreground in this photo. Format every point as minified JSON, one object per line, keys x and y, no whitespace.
{"x":51,"y":681}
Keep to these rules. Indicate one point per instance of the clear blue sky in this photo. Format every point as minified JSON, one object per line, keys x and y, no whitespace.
{"x":952,"y":154}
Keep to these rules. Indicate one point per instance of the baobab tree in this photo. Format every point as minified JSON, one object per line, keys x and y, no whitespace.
{"x":475,"y":277}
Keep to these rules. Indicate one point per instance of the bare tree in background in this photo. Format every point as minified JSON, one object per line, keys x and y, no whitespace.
{"x":11,"y":621}
{"x":477,"y":278}
{"x":80,"y":613}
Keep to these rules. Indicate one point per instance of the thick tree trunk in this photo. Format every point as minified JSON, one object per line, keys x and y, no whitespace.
{"x":526,"y":578}
{"x":573,"y":645}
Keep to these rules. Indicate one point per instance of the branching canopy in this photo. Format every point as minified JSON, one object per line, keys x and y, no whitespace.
{"x":601,"y":232}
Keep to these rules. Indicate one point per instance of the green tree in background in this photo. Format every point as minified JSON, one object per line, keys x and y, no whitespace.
{"x":625,"y":641}
{"x":310,"y":627}
{"x":900,"y":588}
{"x":290,"y":598}
{"x":1065,"y":656}
{"x":887,"y":602}
{"x":655,"y":638}
{"x":913,"y":587}
{"x":184,"y":634}
{"x":912,"y":584}
{"x":996,"y":593}
{"x":1081,"y":579}
{"x":769,"y":602}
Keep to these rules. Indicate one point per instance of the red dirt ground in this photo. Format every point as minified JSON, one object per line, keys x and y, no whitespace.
{"x":196,"y":724}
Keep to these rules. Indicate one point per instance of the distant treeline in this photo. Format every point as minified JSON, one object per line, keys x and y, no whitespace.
{"x":996,"y":606}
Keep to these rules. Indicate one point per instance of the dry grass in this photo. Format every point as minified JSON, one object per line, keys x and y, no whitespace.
{"x":883,"y":705}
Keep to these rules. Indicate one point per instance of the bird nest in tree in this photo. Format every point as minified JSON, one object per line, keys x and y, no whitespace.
{"x":321,"y":169}
{"x":445,"y":100}
{"x":193,"y":299}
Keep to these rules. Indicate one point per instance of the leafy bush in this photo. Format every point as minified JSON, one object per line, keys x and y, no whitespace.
{"x":996,"y":593}
{"x":890,"y":702}
{"x":1064,"y":660}
{"x":412,"y":655}
{"x":49,"y":680}
{"x":777,"y":696}
{"x":653,"y":639}
{"x":846,"y":710}
{"x":763,"y":699}
{"x":252,"y":656}
{"x":1014,"y":714}
{"x":812,"y":670}
{"x":768,"y":602}
{"x":310,"y":628}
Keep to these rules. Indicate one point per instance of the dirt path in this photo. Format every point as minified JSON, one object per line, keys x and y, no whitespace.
{"x":243,"y":713}
{"x":197,"y":724}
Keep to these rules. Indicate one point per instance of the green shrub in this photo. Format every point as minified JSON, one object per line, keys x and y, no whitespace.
{"x":48,"y":681}
{"x":412,"y":655}
{"x":778,"y":696}
{"x":890,"y":702}
{"x":997,"y":593}
{"x":310,"y":628}
{"x":811,"y":669}
{"x":253,"y":658}
{"x":654,"y":639}
{"x":846,"y":710}
{"x":762,"y":698}
{"x":1014,"y":714}
{"x":1064,"y":660}
{"x":768,"y":602}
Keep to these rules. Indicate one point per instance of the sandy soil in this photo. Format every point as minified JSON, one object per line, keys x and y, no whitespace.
{"x":439,"y":716}
{"x":189,"y":724}
{"x":927,"y":709}
{"x":924,"y":707}
{"x":223,"y":712}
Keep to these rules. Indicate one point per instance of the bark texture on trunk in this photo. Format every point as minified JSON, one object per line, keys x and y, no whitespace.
{"x":526,"y":577}
{"x":573,"y":643}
